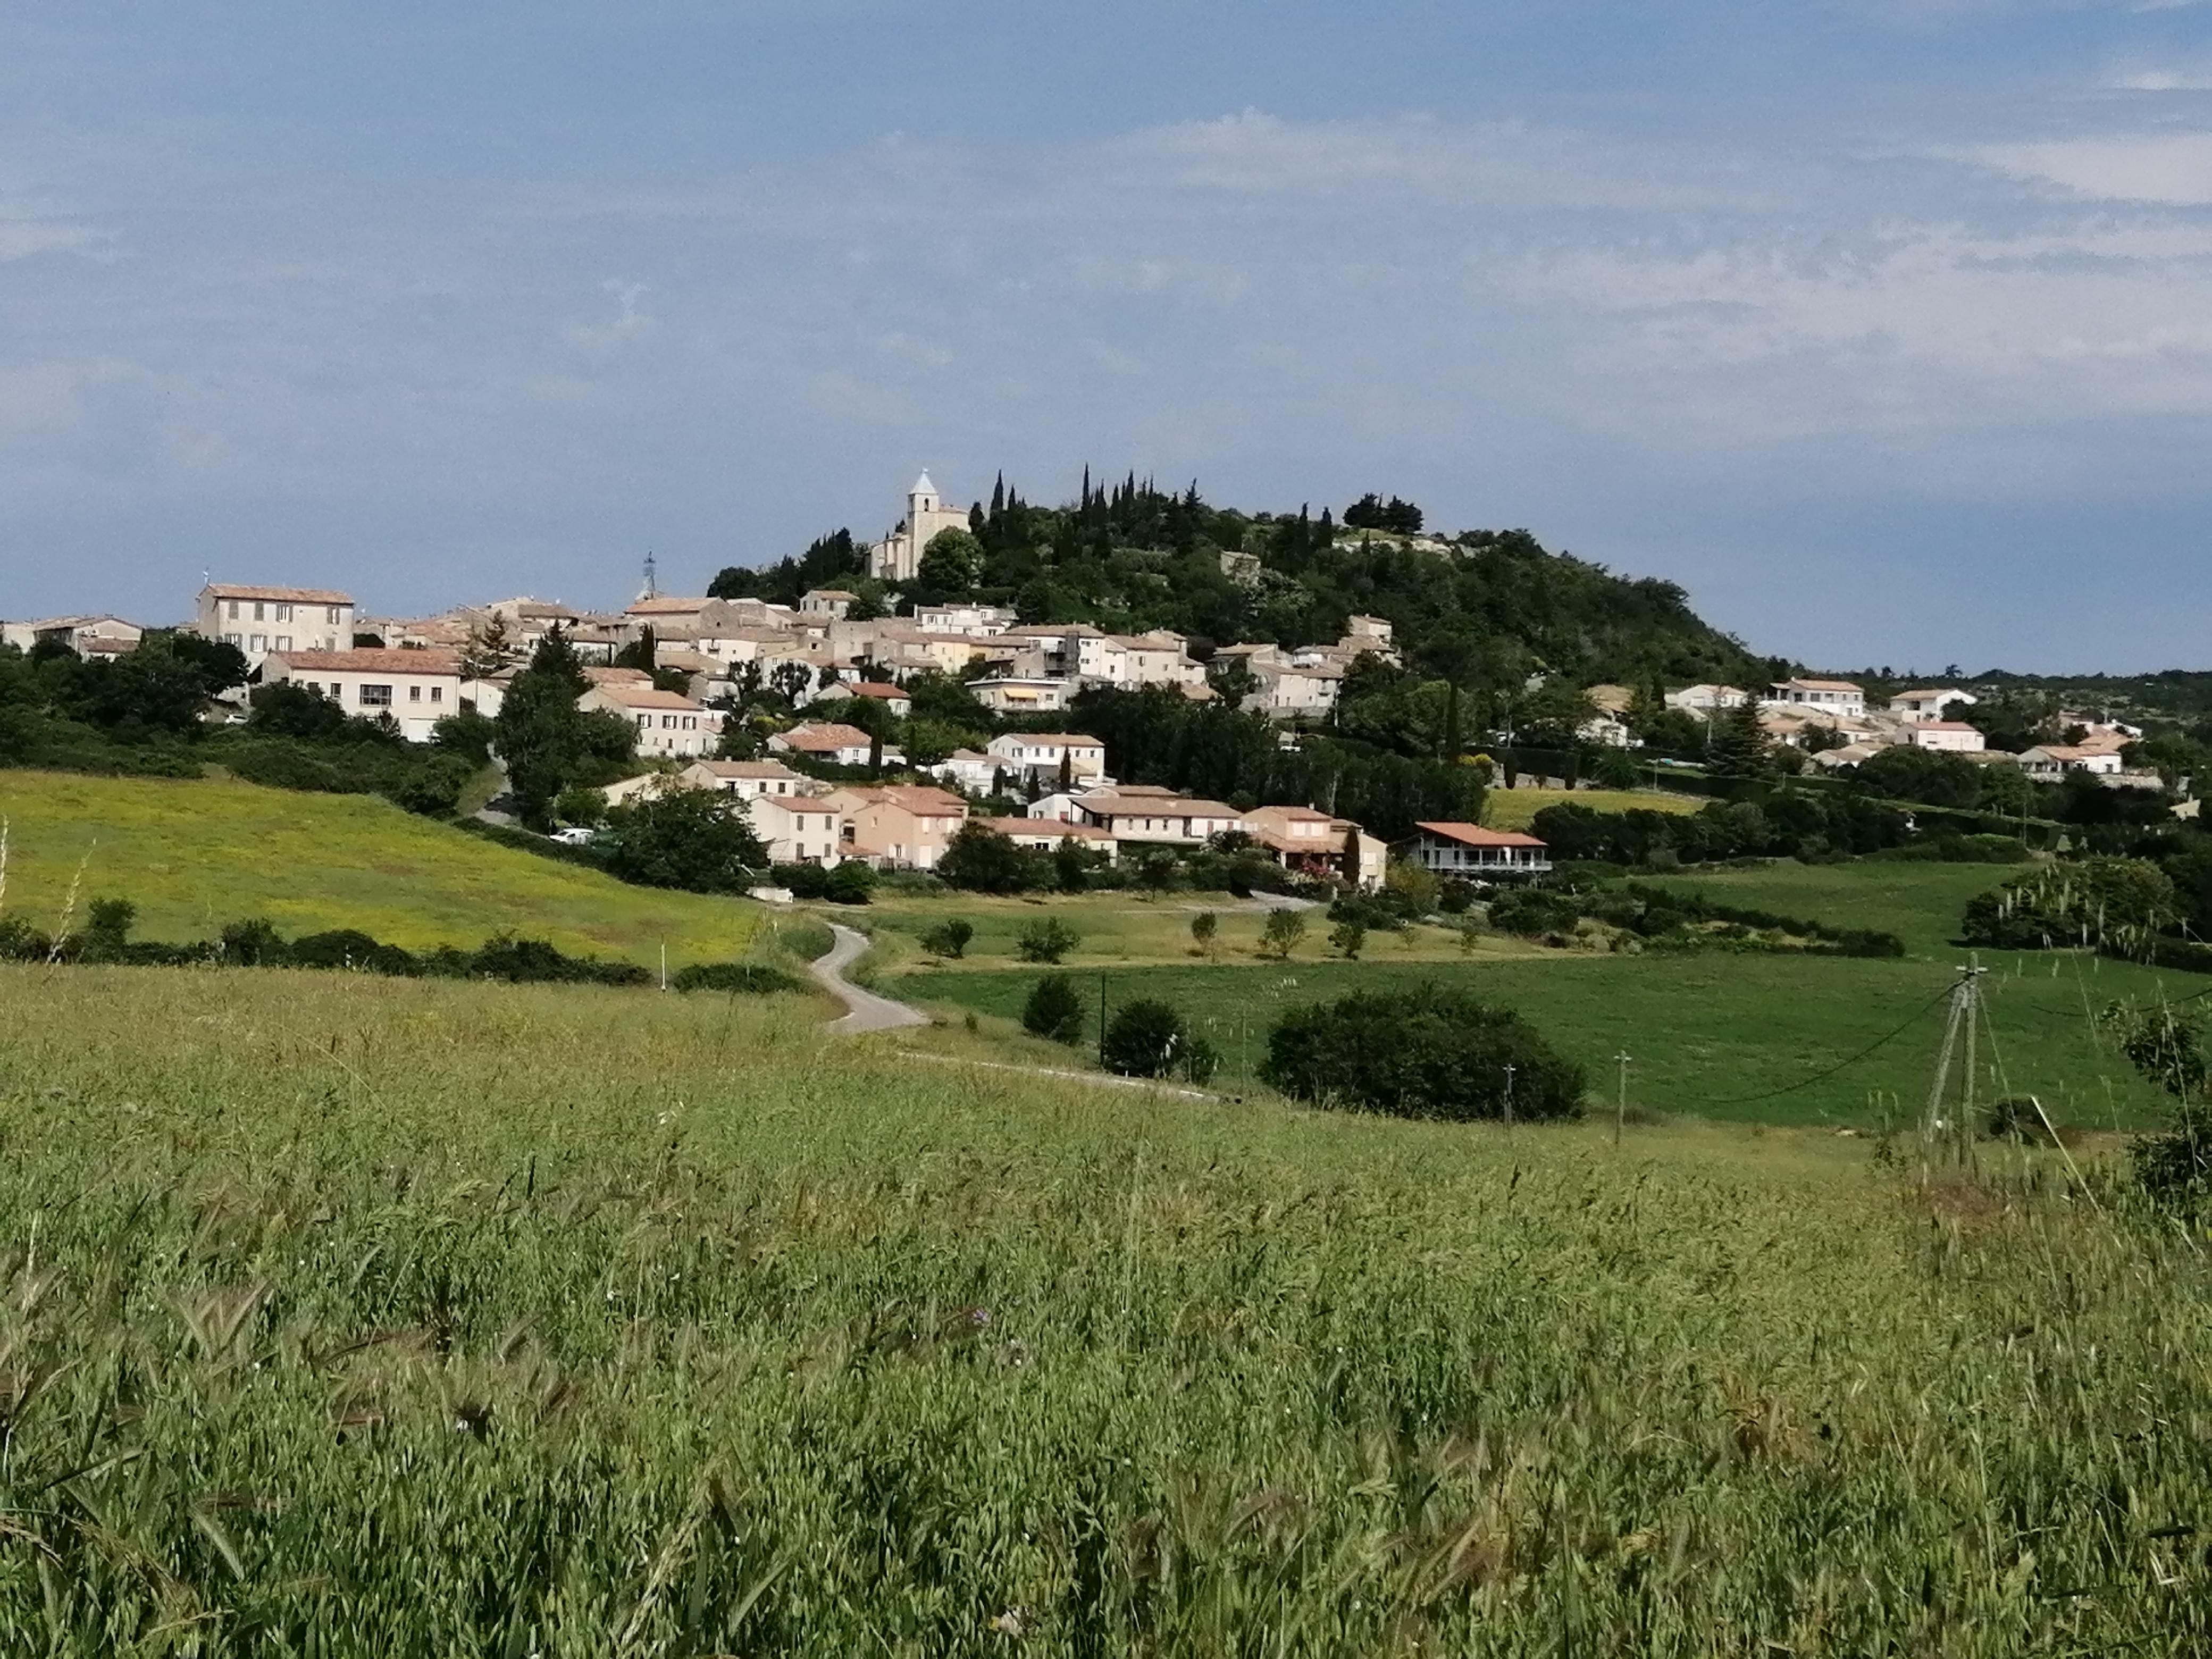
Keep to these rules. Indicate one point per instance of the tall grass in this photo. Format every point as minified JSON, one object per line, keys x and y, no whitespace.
{"x":345,"y":1316}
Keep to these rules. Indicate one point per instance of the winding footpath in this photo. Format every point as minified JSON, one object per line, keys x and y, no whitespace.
{"x":864,"y":1009}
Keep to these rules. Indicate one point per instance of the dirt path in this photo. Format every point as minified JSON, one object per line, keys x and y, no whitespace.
{"x":865,"y":1009}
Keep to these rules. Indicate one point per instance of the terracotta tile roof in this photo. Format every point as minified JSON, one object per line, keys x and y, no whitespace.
{"x":282,"y":595}
{"x":1065,"y":739}
{"x":879,"y":690}
{"x":1473,"y":835}
{"x":371,"y":662}
{"x":826,"y":735}
{"x":722,"y":768}
{"x":646,"y":696}
{"x":1053,"y":828}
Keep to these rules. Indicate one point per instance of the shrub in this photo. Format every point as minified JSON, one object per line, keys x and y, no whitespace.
{"x":1532,"y":912}
{"x":851,"y":883}
{"x":1456,"y":896}
{"x":1144,"y":1038}
{"x":949,"y":939}
{"x":1054,"y":1010}
{"x":106,"y":935}
{"x":2094,"y":902}
{"x":350,"y":948}
{"x":1047,"y":940}
{"x":20,"y":942}
{"x":1281,"y":935}
{"x":1350,"y":938}
{"x":738,"y":978}
{"x":985,"y":861}
{"x":253,"y":944}
{"x":1205,"y":928}
{"x":536,"y":960}
{"x":1429,"y":1051}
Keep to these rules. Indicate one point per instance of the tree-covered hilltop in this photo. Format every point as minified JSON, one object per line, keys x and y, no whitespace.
{"x":1129,"y":556}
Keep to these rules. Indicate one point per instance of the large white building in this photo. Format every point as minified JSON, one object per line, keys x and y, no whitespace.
{"x":667,"y":724}
{"x":416,"y":689}
{"x":898,"y":555}
{"x":260,"y":620}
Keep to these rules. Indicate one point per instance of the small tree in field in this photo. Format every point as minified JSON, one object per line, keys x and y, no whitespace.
{"x":1350,"y":938}
{"x":1054,"y":1010}
{"x":1426,"y":1052}
{"x":1205,"y":927}
{"x":1047,"y":941}
{"x":2167,"y":1047}
{"x":949,"y":939}
{"x":1284,"y":929}
{"x":1147,"y":1038}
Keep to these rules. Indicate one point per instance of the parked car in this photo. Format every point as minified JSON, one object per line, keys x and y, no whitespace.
{"x":574,"y":835}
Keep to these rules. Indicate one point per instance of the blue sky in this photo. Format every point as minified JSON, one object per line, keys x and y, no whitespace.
{"x":1884,"y":328}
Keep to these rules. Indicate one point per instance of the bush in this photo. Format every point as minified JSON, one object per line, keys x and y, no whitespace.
{"x":1532,"y":912}
{"x":738,"y":978}
{"x":254,"y":944}
{"x":1046,"y":940}
{"x":2096,"y":902}
{"x":1427,"y":1052}
{"x":949,"y":939}
{"x":350,"y":948}
{"x":1281,"y":935}
{"x":1146,"y":1038}
{"x":851,"y":883}
{"x":985,"y":861}
{"x":1054,"y":1010}
{"x":1348,"y":938}
{"x":536,"y":961}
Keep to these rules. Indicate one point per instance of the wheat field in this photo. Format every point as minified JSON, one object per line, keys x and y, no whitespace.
{"x":343,"y":1316}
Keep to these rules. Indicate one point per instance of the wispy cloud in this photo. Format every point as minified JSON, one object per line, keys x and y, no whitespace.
{"x":2170,"y":167}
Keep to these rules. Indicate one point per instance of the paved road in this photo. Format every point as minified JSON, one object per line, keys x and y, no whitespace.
{"x":866,"y":1010}
{"x":1280,"y":901}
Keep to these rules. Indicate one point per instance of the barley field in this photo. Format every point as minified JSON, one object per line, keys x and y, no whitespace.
{"x":345,"y":1316}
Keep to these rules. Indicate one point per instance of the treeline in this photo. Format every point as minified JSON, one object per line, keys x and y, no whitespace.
{"x":144,"y":715}
{"x":1670,"y":920}
{"x":256,"y":942}
{"x":1158,"y":736}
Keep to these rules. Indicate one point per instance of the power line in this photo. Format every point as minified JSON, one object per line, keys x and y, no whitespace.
{"x":1821,"y":1077}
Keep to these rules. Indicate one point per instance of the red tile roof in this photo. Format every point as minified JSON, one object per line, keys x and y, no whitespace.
{"x":1473,"y":835}
{"x":283,"y":595}
{"x":371,"y":662}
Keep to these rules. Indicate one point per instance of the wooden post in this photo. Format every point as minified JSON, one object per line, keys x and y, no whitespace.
{"x":1620,"y":1102}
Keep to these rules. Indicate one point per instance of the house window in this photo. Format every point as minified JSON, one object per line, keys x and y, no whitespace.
{"x":234,"y":611}
{"x":376,"y":697}
{"x":330,"y":614}
{"x":414,"y":693}
{"x":233,"y":639}
{"x":260,"y":642}
{"x":283,"y":641}
{"x":437,"y":694}
{"x":259,"y":611}
{"x":283,"y":613}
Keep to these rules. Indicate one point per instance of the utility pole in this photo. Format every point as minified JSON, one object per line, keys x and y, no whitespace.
{"x":1102,"y":1017}
{"x":1964,"y":1015}
{"x":1509,"y":1094}
{"x":1620,"y":1102}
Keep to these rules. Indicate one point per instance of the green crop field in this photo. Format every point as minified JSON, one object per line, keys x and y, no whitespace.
{"x":194,"y":855}
{"x":345,"y":1316}
{"x":1512,"y":809}
{"x":1920,"y":903}
{"x":1121,"y":928}
{"x":1749,"y":1037}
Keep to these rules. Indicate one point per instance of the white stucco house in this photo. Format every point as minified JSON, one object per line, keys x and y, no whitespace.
{"x":416,"y":689}
{"x":2048,"y":762}
{"x":1040,"y":754}
{"x":1706,"y":700}
{"x":1475,"y":853}
{"x":260,"y":620}
{"x":1927,"y":702}
{"x":1947,"y":737}
{"x":1805,"y":697}
{"x":667,"y":724}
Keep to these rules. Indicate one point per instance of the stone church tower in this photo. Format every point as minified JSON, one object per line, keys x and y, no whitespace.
{"x":897,"y":558}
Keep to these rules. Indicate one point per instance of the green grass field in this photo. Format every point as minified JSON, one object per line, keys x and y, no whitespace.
{"x":194,"y":855}
{"x":1920,"y":903}
{"x":1122,"y":929}
{"x":1512,"y":809}
{"x":357,"y":1316}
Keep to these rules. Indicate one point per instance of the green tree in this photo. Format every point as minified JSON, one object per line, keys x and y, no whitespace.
{"x":1144,"y":1038}
{"x":949,"y":938}
{"x":1740,"y":743}
{"x":695,"y":839}
{"x":952,"y":564}
{"x":1205,"y":926}
{"x":1348,"y":938}
{"x":1047,"y":939}
{"x":1054,"y":1010}
{"x":1428,"y":1051}
{"x":2166,"y":1046}
{"x":1282,"y":933}
{"x":546,"y":741}
{"x":984,"y":860}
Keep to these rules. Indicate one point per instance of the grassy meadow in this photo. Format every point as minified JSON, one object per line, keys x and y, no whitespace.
{"x":193,"y":855}
{"x":1513,"y":809}
{"x":348,"y":1316}
{"x":1770,"y":1038}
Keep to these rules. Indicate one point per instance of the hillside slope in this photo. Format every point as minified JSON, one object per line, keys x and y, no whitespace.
{"x":193,"y":855}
